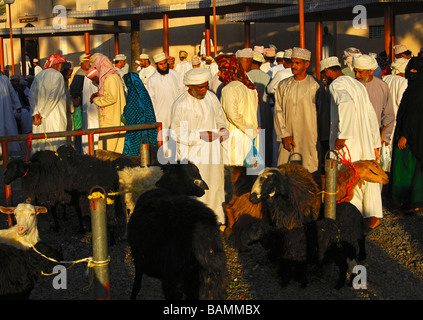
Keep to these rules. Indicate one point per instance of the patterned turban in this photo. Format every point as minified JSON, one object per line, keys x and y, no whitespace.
{"x":54,"y":59}
{"x":231,"y":70}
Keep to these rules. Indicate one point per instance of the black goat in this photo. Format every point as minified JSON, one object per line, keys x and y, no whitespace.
{"x":289,"y":195}
{"x":20,"y":269}
{"x":316,"y":243}
{"x":176,"y":238}
{"x":44,"y":179}
{"x":348,"y":215}
{"x":83,"y":172}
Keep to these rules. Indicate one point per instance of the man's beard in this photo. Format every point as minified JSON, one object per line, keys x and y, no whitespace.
{"x":163,"y":72}
{"x":197,"y":96}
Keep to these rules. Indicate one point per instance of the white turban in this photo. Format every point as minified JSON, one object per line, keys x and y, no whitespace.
{"x":159,"y":57}
{"x":400,"y":48}
{"x":348,"y":55}
{"x":270,"y":52}
{"x":301,"y":53}
{"x":399,"y":65}
{"x":329,"y":62}
{"x":287,"y":54}
{"x":364,"y":62}
{"x":245,"y":53}
{"x":279,"y":54}
{"x":120,"y":57}
{"x":257,"y":56}
{"x":259,"y":49}
{"x":197,"y":76}
{"x":144,"y":56}
{"x":195,"y":60}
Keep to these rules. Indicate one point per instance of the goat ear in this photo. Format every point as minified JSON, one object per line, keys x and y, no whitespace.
{"x":7,"y":210}
{"x":40,"y":210}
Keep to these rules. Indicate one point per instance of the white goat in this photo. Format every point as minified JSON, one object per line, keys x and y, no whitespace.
{"x":24,"y":234}
{"x":136,"y":181}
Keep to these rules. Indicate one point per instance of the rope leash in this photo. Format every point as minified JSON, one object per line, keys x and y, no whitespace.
{"x":44,"y":140}
{"x":90,"y":265}
{"x":349,"y":162}
{"x":98,"y":195}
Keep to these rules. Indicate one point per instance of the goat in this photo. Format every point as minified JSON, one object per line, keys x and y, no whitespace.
{"x":367,"y":170}
{"x":176,"y":238}
{"x":24,"y":234}
{"x":83,"y":173}
{"x":44,"y":179}
{"x":111,"y":156}
{"x":288,"y":194}
{"x":136,"y":180}
{"x":20,"y":269}
{"x":315,"y":243}
{"x":240,"y":203}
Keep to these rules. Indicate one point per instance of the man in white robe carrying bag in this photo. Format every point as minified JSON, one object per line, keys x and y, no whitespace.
{"x":198,"y":126}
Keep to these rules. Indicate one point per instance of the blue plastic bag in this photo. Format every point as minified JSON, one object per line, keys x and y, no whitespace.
{"x":253,"y":158}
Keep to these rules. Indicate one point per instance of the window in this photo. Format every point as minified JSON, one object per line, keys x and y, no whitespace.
{"x":376,"y":32}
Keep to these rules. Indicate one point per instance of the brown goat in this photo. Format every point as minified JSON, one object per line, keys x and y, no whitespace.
{"x":240,"y":203}
{"x":367,"y":170}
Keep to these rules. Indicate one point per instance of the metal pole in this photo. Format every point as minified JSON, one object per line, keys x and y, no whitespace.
{"x":302,"y":27}
{"x":23,"y":57}
{"x":247,"y":29}
{"x":214,"y":28}
{"x":91,"y":144}
{"x":1,"y":55}
{"x":116,"y":38}
{"x":166,"y":34}
{"x":100,"y":252}
{"x":318,"y":46}
{"x":207,"y":33}
{"x":331,"y":172}
{"x":7,"y":188}
{"x":388,"y":30}
{"x":87,"y":38}
{"x":11,"y":40}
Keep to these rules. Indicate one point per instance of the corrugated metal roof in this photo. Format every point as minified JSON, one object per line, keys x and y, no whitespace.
{"x":183,"y":9}
{"x":69,"y":30}
{"x":336,"y":10}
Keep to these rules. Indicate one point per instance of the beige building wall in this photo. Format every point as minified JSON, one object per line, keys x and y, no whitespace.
{"x":186,"y":33}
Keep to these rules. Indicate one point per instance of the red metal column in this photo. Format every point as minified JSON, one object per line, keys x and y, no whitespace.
{"x":11,"y":41}
{"x":166,"y":34}
{"x":302,"y":27}
{"x":1,"y":55}
{"x":214,"y":28}
{"x":247,"y":29}
{"x":87,"y":39}
{"x":208,"y":48}
{"x":116,"y":39}
{"x":7,"y":188}
{"x":319,"y":40}
{"x":388,"y":31}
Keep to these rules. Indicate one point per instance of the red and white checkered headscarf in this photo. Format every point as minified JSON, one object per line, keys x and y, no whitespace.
{"x":54,"y":59}
{"x":104,"y":68}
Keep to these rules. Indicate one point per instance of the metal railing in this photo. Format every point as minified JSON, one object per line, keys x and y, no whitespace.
{"x":89,"y":132}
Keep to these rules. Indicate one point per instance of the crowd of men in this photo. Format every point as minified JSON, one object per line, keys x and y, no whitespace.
{"x":213,"y":110}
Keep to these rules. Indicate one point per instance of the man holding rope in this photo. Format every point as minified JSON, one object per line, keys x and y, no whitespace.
{"x":355,"y":131}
